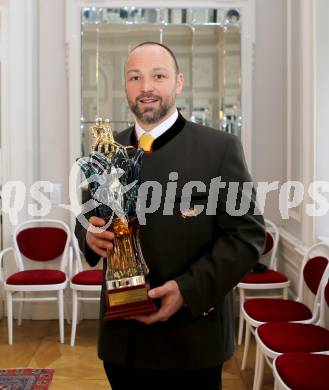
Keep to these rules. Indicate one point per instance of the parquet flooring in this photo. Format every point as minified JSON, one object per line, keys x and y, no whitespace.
{"x":78,"y":368}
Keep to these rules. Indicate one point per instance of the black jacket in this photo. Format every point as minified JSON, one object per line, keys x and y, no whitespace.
{"x":207,"y":255}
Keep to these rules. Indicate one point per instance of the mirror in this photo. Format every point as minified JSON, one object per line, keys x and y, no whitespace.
{"x":206,"y":41}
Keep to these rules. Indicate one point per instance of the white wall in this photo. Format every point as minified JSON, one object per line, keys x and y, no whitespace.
{"x":322,"y":103}
{"x":268,"y":155}
{"x":54,"y":130}
{"x":301,"y":110}
{"x":271,"y":137}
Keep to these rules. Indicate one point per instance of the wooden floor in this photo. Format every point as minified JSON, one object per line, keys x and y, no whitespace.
{"x":36,"y":345}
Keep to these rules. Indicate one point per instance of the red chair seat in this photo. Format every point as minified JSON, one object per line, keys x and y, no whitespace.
{"x":88,"y":277}
{"x":291,"y":337}
{"x":37,"y":276}
{"x":271,"y":309}
{"x":304,"y":371}
{"x":268,"y":276}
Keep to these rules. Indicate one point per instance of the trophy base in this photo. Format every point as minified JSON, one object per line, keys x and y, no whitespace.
{"x":127,"y":302}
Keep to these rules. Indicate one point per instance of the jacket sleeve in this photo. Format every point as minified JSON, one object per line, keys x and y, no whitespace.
{"x":237,"y":248}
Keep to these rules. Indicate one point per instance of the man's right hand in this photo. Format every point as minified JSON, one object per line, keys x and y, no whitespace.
{"x":99,"y":242}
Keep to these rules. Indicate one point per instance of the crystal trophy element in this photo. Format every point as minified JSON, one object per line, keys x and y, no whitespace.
{"x":112,"y":171}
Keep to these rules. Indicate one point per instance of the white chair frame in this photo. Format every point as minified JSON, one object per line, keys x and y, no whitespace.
{"x":252,"y":324}
{"x":11,"y":290}
{"x":79,"y":288}
{"x":263,"y":353}
{"x":243,"y":287}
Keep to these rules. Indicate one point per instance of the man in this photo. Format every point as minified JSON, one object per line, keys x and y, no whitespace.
{"x":195,"y":259}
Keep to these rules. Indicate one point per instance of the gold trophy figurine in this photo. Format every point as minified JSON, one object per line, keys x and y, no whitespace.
{"x":115,"y":167}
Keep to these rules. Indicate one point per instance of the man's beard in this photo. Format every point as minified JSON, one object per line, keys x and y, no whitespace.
{"x":151,"y":114}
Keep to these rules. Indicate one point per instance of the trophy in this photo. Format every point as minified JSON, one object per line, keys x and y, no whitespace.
{"x":112,"y":172}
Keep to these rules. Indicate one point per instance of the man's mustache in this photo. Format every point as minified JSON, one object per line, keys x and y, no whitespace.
{"x":148,"y":96}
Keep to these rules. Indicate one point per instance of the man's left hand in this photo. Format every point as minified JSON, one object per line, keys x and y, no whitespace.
{"x":171,"y":301}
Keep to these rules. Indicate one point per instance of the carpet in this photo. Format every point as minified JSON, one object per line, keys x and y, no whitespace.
{"x":25,"y":378}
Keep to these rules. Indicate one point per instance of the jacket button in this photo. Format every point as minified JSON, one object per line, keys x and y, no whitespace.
{"x":205,"y":313}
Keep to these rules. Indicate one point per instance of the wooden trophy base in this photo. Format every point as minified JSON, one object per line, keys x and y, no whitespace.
{"x":127,"y":302}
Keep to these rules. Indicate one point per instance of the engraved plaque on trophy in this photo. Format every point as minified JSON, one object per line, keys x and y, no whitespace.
{"x":112,"y":171}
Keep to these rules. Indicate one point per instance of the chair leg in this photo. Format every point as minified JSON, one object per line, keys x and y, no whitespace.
{"x":256,"y":366}
{"x":246,"y":346}
{"x":20,"y":309}
{"x":276,"y":386}
{"x":10,"y":316}
{"x":241,"y":319}
{"x":3,"y":302}
{"x":258,"y":378}
{"x":81,"y":307}
{"x":61,"y":315}
{"x":66,"y":311}
{"x":285,"y":293}
{"x":74,"y":316}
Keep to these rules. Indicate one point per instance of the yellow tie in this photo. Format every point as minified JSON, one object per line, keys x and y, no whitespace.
{"x":145,"y":142}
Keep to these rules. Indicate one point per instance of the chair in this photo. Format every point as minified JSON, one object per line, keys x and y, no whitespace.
{"x":37,"y":241}
{"x":276,"y":338}
{"x":267,"y":280}
{"x":301,"y":371}
{"x":305,"y":309}
{"x":83,"y":280}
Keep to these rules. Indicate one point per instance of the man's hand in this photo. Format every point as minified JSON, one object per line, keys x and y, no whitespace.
{"x":99,"y":242}
{"x":171,"y":301}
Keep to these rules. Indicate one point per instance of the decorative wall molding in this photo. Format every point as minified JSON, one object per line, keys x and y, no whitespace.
{"x":296,"y":213}
{"x":321,"y":102}
{"x":19,"y":99}
{"x":291,"y":253}
{"x":300,"y":112}
{"x":19,"y":103}
{"x":4,"y":99}
{"x":308,"y":110}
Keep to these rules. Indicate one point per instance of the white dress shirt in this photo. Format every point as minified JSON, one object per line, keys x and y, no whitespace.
{"x":158,"y":130}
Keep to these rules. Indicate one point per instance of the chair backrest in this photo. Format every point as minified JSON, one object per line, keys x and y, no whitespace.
{"x":314,"y":273}
{"x":269,"y":256}
{"x":324,"y":306}
{"x":77,"y":263}
{"x":42,"y":240}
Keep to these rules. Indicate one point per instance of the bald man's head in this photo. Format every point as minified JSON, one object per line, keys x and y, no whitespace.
{"x":170,"y":52}
{"x":152,"y":81}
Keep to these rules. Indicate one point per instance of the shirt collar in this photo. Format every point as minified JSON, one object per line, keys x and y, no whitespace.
{"x":158,"y":130}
